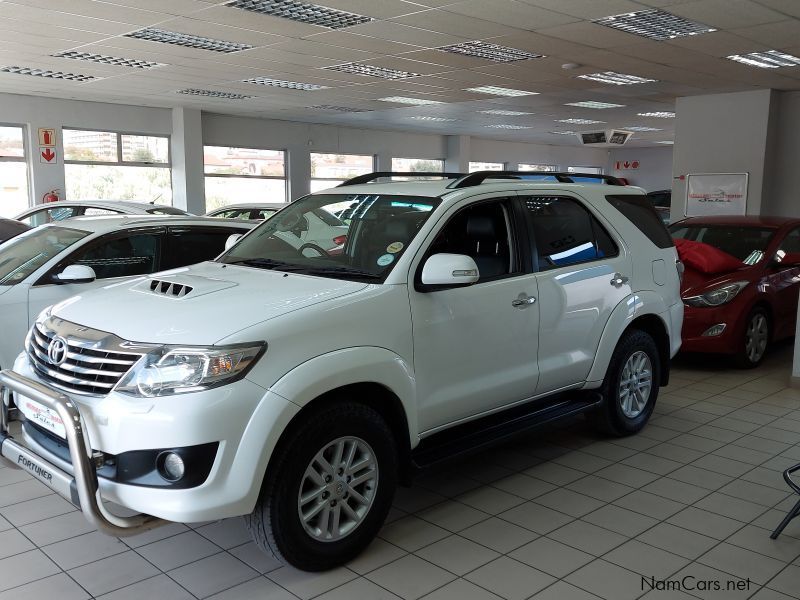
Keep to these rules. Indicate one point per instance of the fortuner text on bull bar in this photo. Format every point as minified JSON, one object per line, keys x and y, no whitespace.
{"x":80,"y":488}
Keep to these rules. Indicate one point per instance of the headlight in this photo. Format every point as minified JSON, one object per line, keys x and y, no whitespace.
{"x":177,"y":370}
{"x":717,"y":296}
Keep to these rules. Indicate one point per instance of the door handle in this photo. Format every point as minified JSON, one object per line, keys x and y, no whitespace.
{"x":618,"y":280}
{"x":523,"y":301}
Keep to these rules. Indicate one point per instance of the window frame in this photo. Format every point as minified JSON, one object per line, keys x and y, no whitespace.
{"x":533,"y":251}
{"x":589,"y":170}
{"x":120,"y":162}
{"x":503,"y":165}
{"x":284,"y":178}
{"x":547,"y":169}
{"x":439,"y":160}
{"x":21,"y":159}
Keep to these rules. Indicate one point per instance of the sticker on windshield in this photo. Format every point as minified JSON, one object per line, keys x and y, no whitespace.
{"x":386,"y":259}
{"x":395,"y":247}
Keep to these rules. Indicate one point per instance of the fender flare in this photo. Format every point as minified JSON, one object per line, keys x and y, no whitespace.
{"x":350,"y":366}
{"x":626,"y":312}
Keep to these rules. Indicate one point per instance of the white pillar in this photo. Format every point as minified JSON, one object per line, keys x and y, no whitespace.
{"x":188,"y":183}
{"x":458,"y":153}
{"x":44,"y":176}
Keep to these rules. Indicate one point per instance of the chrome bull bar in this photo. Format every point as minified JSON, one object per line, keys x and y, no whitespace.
{"x":81,"y":488}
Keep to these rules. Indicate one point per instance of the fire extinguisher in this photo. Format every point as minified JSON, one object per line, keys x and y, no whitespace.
{"x":51,"y":196}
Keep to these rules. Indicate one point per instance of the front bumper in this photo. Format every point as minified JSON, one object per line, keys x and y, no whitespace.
{"x":82,"y":487}
{"x":696,"y":321}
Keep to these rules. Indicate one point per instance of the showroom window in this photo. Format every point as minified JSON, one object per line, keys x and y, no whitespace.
{"x":107,"y":165}
{"x":592,"y":170}
{"x":13,"y":171}
{"x":329,"y":170}
{"x":486,"y":166}
{"x":534,"y":167}
{"x":235,"y":175}
{"x":418,"y":165}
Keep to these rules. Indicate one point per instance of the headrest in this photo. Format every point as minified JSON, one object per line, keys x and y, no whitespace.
{"x":481,"y":228}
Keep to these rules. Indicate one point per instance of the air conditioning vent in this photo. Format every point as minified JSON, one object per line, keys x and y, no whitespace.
{"x":610,"y":137}
{"x":169,"y":288}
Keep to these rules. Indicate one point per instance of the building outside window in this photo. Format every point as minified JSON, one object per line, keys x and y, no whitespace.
{"x":107,"y":165}
{"x":534,"y":167}
{"x":592,"y":170}
{"x":236,"y":175}
{"x":417,"y":165}
{"x":329,"y":170}
{"x":486,"y":166}
{"x":14,"y":195}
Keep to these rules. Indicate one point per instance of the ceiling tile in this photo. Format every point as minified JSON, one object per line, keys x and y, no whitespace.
{"x":362,"y":42}
{"x":591,"y":34}
{"x":788,"y":7}
{"x":444,"y":22}
{"x":512,"y":13}
{"x":591,"y":9}
{"x":727,"y":14}
{"x":333,"y":53}
{"x":773,"y":35}
{"x":718,"y":43}
{"x":395,"y":32}
{"x":219,"y":31}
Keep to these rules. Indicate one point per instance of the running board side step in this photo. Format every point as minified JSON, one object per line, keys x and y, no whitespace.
{"x":481,"y":433}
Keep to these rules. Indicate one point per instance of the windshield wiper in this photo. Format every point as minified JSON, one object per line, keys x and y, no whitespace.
{"x":341,"y":271}
{"x":268,"y":263}
{"x":264,"y":263}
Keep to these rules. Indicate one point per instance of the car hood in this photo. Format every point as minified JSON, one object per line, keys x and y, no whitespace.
{"x":695,"y":282}
{"x":198,"y":305}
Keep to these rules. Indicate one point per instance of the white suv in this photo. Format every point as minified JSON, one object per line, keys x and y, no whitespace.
{"x":298,"y":385}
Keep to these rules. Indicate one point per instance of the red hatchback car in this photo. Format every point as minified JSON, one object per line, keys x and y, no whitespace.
{"x":740,"y":295}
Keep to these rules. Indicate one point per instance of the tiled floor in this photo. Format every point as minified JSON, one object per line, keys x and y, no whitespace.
{"x":567,"y":515}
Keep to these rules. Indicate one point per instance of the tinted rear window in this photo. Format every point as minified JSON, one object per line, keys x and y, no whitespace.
{"x":639,"y":211}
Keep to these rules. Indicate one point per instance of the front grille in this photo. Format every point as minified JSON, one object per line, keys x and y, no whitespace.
{"x":85,"y":370}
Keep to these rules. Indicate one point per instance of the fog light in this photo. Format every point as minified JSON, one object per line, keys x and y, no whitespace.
{"x":170,"y":466}
{"x":714,"y":330}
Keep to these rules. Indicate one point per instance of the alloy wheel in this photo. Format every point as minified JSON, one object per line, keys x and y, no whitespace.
{"x":635,"y":384}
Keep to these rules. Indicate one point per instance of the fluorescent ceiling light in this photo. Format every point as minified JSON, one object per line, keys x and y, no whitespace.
{"x":214,"y":94}
{"x":640,"y":128}
{"x":505,"y":126}
{"x":562,"y":132}
{"x":505,"y":113}
{"x":663,"y":114}
{"x":280,"y":83}
{"x":499,"y":91}
{"x":655,"y":24}
{"x":666,"y":142}
{"x":302,"y":12}
{"x":370,"y":71}
{"x":579,"y":121}
{"x":109,"y":60}
{"x":771,"y":59}
{"x":616,"y":78}
{"x":594,"y":104}
{"x":436,"y":119}
{"x":48,"y":74}
{"x":348,"y":109}
{"x":412,"y":101}
{"x":493,"y":52}
{"x":187,"y":40}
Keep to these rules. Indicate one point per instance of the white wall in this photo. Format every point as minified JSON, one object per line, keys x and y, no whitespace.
{"x":782,"y":194}
{"x":654,"y":172}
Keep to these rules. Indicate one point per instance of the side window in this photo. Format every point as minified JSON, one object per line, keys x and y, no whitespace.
{"x":61,"y":212}
{"x":121,"y":256}
{"x":482,"y":231}
{"x":564,"y":232}
{"x":97,"y":212}
{"x":639,"y":211}
{"x":791,"y":243}
{"x":195,"y":245}
{"x":264,"y":213}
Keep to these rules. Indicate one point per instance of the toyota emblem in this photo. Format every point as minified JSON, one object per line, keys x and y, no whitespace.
{"x":57,"y":351}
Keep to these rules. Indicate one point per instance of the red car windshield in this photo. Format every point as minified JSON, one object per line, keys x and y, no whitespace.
{"x":747,"y":243}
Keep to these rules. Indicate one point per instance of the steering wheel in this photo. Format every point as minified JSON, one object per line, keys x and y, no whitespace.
{"x":320,"y":250}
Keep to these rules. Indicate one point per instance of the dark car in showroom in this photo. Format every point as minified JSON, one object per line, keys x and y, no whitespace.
{"x":9,"y":228}
{"x":740,"y":284}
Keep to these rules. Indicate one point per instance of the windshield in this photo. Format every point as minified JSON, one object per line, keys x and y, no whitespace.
{"x":22,"y":255}
{"x":747,"y":244}
{"x":354,"y":236}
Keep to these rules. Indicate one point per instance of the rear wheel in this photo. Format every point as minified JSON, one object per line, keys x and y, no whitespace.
{"x":328,"y":490}
{"x":755,"y":341}
{"x":631,"y":385}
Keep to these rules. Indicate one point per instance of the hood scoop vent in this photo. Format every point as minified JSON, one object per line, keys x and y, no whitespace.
{"x":170,"y":288}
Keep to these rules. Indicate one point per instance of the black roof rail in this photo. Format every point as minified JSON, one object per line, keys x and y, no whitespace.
{"x":366,"y":178}
{"x":478,"y":177}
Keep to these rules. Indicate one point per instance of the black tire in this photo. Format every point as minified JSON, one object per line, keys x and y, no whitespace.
{"x":744,"y":359}
{"x":609,"y":418}
{"x":275,"y":523}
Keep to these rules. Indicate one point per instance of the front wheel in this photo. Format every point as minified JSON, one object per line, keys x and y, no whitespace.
{"x":328,"y":489}
{"x":630,"y":388}
{"x":756,"y":340}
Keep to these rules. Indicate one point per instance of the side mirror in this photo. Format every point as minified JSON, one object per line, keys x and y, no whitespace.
{"x":76,"y":274}
{"x":450,"y":270}
{"x":232,"y":240}
{"x":787,"y":259}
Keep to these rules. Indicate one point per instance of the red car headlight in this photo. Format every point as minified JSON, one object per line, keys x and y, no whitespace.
{"x":717,"y":296}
